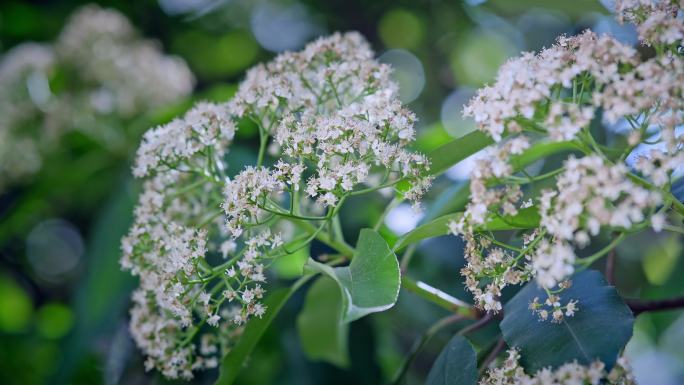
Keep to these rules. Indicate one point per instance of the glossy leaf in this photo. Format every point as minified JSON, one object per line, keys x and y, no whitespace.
{"x":455,"y":151}
{"x":525,"y":219}
{"x":455,"y":365}
{"x":372,"y":280}
{"x":235,"y":360}
{"x":321,"y":331}
{"x":598,"y":330}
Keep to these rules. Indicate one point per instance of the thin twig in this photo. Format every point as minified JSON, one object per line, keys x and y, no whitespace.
{"x":500,"y":345}
{"x":476,"y":325}
{"x":420,"y":342}
{"x":640,"y":306}
{"x":610,"y":267}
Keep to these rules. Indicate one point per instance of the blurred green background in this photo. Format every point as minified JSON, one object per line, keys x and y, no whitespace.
{"x":68,"y":325}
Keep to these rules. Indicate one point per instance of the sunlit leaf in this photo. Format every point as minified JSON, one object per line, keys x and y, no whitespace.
{"x":455,"y":151}
{"x":291,"y":265}
{"x":598,"y":330}
{"x":660,"y":260}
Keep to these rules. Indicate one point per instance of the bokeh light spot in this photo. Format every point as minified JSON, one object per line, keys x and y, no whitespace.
{"x":478,"y":56}
{"x":400,"y":28}
{"x":451,"y":113}
{"x":54,"y":320}
{"x":280,"y":27}
{"x":407,"y":72}
{"x":54,"y":248}
{"x":15,"y":306}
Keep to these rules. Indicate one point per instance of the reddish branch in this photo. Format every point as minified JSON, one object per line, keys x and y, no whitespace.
{"x":610,"y":267}
{"x":496,"y":350}
{"x":639,"y":306}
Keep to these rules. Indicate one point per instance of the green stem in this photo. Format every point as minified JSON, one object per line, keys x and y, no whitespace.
{"x":674,"y":229}
{"x":408,"y":255}
{"x":439,"y":297}
{"x":263,"y":139}
{"x":341,"y":246}
{"x":676,"y":204}
{"x":587,"y":261}
{"x":394,"y":203}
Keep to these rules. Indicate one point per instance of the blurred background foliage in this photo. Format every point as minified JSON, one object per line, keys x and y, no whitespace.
{"x":63,"y":299}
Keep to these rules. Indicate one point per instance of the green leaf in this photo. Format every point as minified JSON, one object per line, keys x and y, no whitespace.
{"x":455,"y":151}
{"x":321,"y":331}
{"x":103,"y":293}
{"x":598,"y":330}
{"x":456,"y":364}
{"x":290,"y":266}
{"x":661,"y":259}
{"x":539,"y":151}
{"x":536,"y":152}
{"x":235,"y":360}
{"x":525,"y":219}
{"x":372,"y":280}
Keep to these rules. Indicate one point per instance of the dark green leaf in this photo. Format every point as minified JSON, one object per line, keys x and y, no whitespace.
{"x":525,"y":219}
{"x":456,"y":364}
{"x":321,"y":331}
{"x":455,"y":151}
{"x":371,"y":282}
{"x":103,"y":293}
{"x":599,"y":330}
{"x":234,"y":361}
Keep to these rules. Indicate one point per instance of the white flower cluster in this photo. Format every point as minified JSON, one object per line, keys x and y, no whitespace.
{"x":527,"y":88}
{"x":132,"y":74}
{"x":335,"y":115}
{"x":205,"y":128}
{"x":658,"y":22}
{"x":111,"y":73}
{"x":572,"y":373}
{"x":554,"y":96}
{"x":23,"y":77}
{"x":202,"y":240}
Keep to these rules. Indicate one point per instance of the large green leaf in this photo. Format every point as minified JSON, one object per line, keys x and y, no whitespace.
{"x":319,"y":324}
{"x":456,"y":364}
{"x":235,"y":360}
{"x":372,"y":280}
{"x":455,"y":151}
{"x":598,"y":330}
{"x":103,"y":293}
{"x":525,"y":219}
{"x":539,"y":151}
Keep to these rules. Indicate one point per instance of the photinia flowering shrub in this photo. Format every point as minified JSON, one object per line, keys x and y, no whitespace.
{"x":331,"y":127}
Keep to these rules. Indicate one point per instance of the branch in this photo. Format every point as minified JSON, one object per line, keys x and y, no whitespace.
{"x":639,"y":306}
{"x":477,"y":325}
{"x":610,"y":267}
{"x":420,"y":342}
{"x":496,"y":350}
